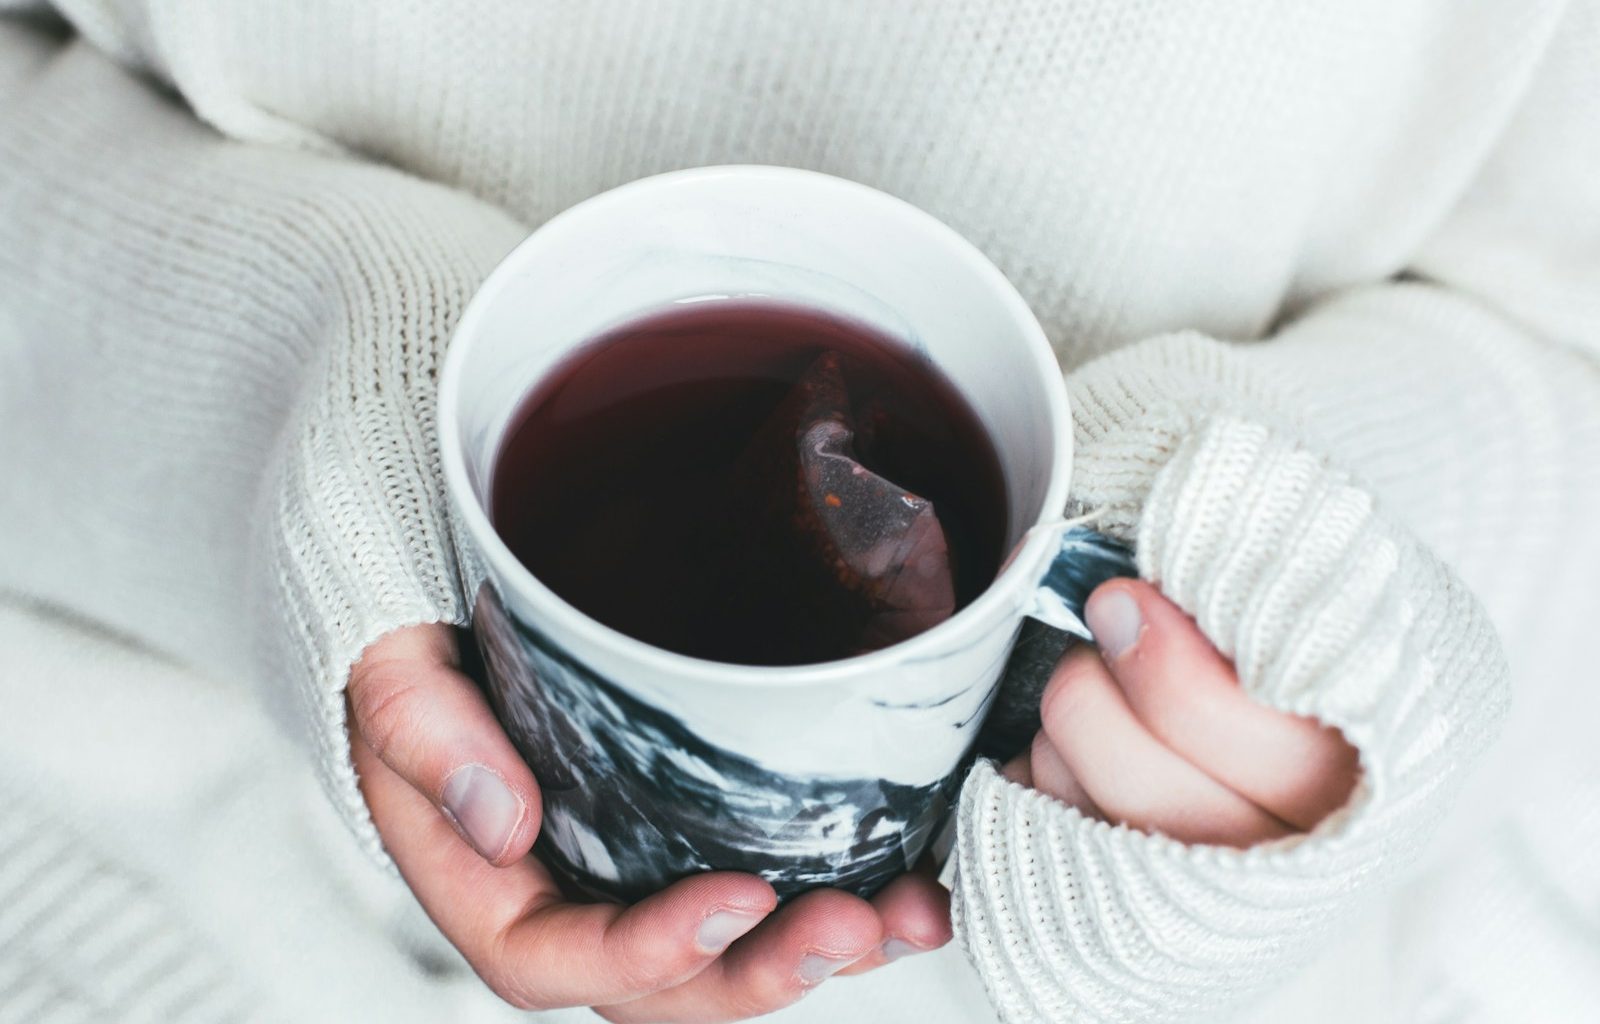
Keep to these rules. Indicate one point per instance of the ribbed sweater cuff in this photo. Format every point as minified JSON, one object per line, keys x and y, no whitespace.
{"x":358,"y":537}
{"x":1328,"y":610}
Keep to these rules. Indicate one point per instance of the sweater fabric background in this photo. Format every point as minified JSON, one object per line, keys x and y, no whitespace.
{"x":1325,"y":283}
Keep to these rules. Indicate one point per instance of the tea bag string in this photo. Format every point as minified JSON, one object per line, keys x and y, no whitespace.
{"x":1082,"y":520}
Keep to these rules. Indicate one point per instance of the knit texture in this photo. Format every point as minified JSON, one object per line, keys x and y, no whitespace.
{"x":1327,"y":611}
{"x":218,"y":344}
{"x":166,"y":855}
{"x":260,"y":482}
{"x":85,"y":941}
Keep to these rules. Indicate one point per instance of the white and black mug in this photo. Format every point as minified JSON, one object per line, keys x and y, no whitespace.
{"x":654,"y":765}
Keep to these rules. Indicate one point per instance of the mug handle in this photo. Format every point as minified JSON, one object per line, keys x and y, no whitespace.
{"x":1084,"y":559}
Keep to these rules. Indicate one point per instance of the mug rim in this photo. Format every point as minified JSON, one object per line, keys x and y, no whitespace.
{"x":1017,"y":577}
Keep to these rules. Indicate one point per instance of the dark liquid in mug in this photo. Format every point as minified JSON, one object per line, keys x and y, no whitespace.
{"x":609,"y":484}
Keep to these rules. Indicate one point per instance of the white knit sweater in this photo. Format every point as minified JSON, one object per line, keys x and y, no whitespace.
{"x":1325,"y":280}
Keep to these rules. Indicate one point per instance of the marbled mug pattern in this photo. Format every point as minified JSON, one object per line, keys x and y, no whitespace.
{"x":634,"y":799}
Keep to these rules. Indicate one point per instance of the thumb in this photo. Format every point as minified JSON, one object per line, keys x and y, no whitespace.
{"x":432,"y":726}
{"x":1188,"y":695}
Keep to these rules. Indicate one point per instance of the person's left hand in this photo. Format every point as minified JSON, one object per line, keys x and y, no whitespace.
{"x":1152,"y":730}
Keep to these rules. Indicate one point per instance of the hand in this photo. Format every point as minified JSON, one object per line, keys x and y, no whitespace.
{"x":458,"y":810}
{"x":1153,"y":731}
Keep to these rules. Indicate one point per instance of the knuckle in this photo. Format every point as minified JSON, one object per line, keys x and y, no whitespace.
{"x":647,"y":963}
{"x":1063,"y":696}
{"x":761,"y":988}
{"x":386,"y":706}
{"x":778,"y":991}
{"x":1043,"y":747}
{"x":513,"y":991}
{"x":752,"y":998}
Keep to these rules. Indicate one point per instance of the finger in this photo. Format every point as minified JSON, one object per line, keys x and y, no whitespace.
{"x":1020,"y":769}
{"x":431,"y":725}
{"x":1187,"y":694}
{"x":811,"y":939}
{"x":1129,"y":774}
{"x":915,"y":911}
{"x":1050,"y":774}
{"x":530,"y":947}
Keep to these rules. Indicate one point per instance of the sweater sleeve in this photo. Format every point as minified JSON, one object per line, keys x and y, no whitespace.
{"x":1348,"y":509}
{"x":216,"y":385}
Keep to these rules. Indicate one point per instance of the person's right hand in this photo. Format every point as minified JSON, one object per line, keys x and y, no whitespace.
{"x":459,"y":810}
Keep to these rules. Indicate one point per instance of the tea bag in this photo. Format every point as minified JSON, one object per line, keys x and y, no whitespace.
{"x":865,"y":559}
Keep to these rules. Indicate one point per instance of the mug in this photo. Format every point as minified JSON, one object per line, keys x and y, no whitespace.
{"x":654,"y":765}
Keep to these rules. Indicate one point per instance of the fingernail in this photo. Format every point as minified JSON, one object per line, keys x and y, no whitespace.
{"x":719,"y":930}
{"x":1114,"y":619}
{"x":894,"y":949}
{"x":482,"y":808}
{"x":815,"y":968}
